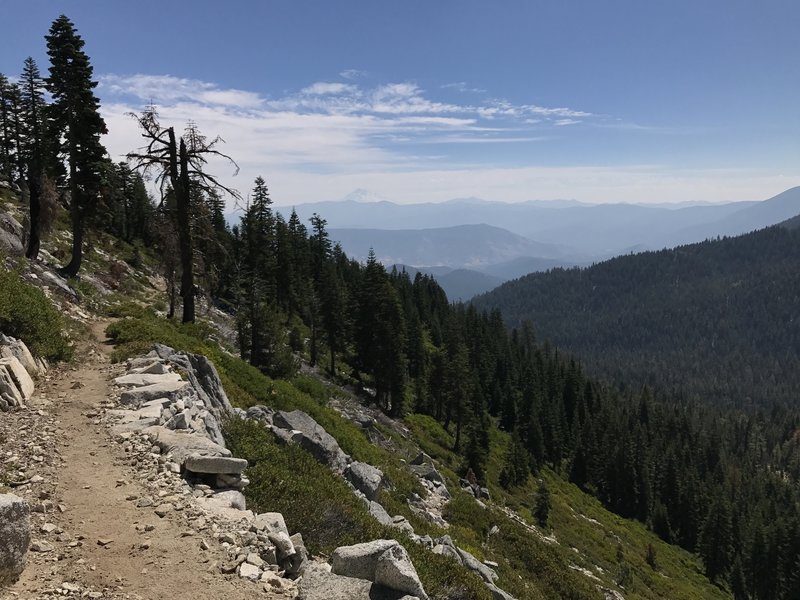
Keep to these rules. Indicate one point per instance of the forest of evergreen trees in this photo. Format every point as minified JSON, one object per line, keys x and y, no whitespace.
{"x":716,"y":321}
{"x":718,"y":481}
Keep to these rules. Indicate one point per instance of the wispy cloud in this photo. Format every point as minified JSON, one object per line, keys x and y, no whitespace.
{"x":461,"y":86}
{"x":168,"y":89}
{"x":328,"y":138}
{"x":352,"y":73}
{"x":322,"y":88}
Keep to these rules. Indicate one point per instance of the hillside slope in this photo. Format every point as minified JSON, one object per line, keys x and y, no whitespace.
{"x":717,"y":320}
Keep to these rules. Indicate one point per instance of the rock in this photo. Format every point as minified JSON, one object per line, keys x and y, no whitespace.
{"x":255,"y":560}
{"x":14,"y":348}
{"x":473,"y":564}
{"x":183,"y":445}
{"x":401,"y":523}
{"x":142,"y":394}
{"x":283,"y":544}
{"x":15,"y":534}
{"x":447,"y":551}
{"x":498,"y":594}
{"x":248,"y":571}
{"x":380,"y":514}
{"x":395,"y":570}
{"x":366,"y":478}
{"x":9,"y":391}
{"x":300,"y":557}
{"x":233,"y":498}
{"x":271,"y":522}
{"x":313,"y":438}
{"x":319,"y":584}
{"x":359,"y":560}
{"x":144,"y":502}
{"x":19,"y":375}
{"x":428,"y":472}
{"x":214,"y":464}
{"x":162,"y":510}
{"x":41,"y":546}
{"x":154,"y":368}
{"x":422,"y":458}
{"x":10,"y":235}
{"x":144,"y":379}
{"x":260,"y":413}
{"x":204,"y":378}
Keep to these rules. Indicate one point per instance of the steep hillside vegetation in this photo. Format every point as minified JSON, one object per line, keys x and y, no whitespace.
{"x":715,"y":321}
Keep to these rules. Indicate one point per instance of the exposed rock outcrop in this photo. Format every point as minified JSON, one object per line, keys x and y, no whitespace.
{"x":15,"y":536}
{"x":384,"y":562}
{"x":311,"y":436}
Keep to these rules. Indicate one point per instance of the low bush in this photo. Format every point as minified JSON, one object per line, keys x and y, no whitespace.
{"x":320,"y":506}
{"x":26,"y":313}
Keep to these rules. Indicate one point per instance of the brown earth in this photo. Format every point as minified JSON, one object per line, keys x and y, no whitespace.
{"x":105,"y":550}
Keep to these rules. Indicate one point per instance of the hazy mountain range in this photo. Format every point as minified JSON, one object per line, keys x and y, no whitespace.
{"x":505,"y":241}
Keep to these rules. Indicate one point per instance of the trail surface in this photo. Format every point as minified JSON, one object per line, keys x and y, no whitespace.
{"x":96,"y":543}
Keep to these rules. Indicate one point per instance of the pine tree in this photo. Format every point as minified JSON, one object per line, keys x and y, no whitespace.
{"x":715,"y":542}
{"x":38,"y":156}
{"x":542,"y":507}
{"x":6,"y":130}
{"x":516,"y":467}
{"x":76,"y":116}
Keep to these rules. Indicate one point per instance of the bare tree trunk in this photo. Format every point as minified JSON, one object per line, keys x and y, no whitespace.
{"x":34,"y":234}
{"x":74,"y":265}
{"x":185,"y":235}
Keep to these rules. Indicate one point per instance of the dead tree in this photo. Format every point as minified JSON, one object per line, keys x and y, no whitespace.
{"x":177,"y":164}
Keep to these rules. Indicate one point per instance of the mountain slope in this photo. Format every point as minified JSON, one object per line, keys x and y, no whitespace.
{"x":719,"y":320}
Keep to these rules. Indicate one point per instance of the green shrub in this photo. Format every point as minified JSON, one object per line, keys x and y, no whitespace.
{"x":318,"y":504}
{"x":26,"y":313}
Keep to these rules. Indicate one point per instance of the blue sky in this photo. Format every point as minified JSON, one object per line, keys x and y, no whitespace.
{"x":426,"y":101}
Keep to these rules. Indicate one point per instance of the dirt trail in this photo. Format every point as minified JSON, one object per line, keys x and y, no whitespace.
{"x":147,"y":556}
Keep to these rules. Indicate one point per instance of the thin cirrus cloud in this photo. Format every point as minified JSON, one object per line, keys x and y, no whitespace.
{"x":329,"y":138}
{"x":325,"y":126}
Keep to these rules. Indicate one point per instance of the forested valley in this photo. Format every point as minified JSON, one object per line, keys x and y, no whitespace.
{"x":663,"y":384}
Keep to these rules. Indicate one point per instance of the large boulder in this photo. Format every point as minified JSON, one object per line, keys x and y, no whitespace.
{"x":427,"y":471}
{"x":19,"y":375}
{"x":142,"y":379}
{"x":365,"y":478}
{"x":320,"y":584}
{"x":183,"y":445}
{"x":10,"y":235}
{"x":12,"y":347}
{"x":384,"y":562}
{"x":10,"y":396}
{"x":214,"y":464}
{"x":360,"y":560}
{"x":15,"y":535}
{"x":312,"y":437}
{"x":202,"y":376}
{"x":498,"y":594}
{"x":396,"y":571}
{"x":472,"y":563}
{"x":140,"y":395}
{"x":380,"y":514}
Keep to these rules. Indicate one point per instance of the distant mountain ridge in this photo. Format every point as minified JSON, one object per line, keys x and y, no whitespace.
{"x":587,"y":231}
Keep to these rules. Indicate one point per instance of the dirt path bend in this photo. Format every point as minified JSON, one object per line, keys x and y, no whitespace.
{"x":96,"y":543}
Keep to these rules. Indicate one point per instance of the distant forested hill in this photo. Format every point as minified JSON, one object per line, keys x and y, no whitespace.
{"x":718,"y":320}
